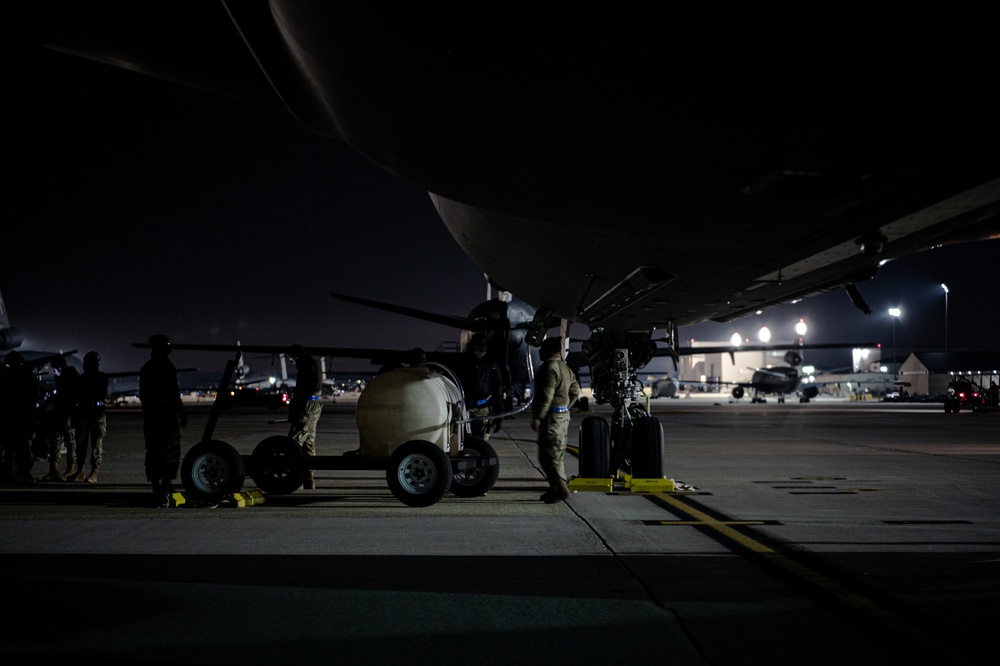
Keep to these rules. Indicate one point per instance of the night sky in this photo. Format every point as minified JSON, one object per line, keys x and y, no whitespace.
{"x":143,"y":207}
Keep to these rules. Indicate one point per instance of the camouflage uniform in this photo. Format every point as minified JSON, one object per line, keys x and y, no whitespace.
{"x":92,"y":419}
{"x":60,"y":430}
{"x":304,"y":409}
{"x":556,"y":390}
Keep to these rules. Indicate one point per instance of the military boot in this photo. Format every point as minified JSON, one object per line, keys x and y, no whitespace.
{"x":92,"y":477}
{"x":53,"y":474}
{"x":78,"y":475}
{"x":70,"y":469}
{"x":310,"y":481}
{"x":560,"y":492}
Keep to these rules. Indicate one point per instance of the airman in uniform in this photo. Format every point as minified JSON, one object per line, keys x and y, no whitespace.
{"x":556,"y":391}
{"x":304,"y":408}
{"x":163,"y":416}
{"x":59,"y":429}
{"x":482,"y":384}
{"x":92,"y":419}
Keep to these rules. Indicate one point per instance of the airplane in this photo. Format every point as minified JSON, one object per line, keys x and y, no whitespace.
{"x":503,"y":319}
{"x":11,"y":339}
{"x":703,"y":168}
{"x":781,"y":381}
{"x":776,"y":380}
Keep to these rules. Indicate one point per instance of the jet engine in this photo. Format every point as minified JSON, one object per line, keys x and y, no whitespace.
{"x":10,"y":338}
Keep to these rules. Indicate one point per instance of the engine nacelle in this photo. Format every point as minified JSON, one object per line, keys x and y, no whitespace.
{"x":793,"y":358}
{"x":10,"y":338}
{"x":408,"y":404}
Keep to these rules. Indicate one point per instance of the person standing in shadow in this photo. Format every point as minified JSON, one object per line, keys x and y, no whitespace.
{"x":163,"y":416}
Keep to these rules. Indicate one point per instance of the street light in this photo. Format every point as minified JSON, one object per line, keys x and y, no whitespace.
{"x":894,"y":313}
{"x":764,"y":335}
{"x":945,"y":287}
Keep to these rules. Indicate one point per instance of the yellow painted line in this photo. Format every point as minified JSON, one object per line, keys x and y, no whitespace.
{"x":846,"y":595}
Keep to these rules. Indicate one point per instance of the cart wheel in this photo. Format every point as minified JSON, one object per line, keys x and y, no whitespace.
{"x":268,"y":473}
{"x":419,"y":473}
{"x":211,"y":470}
{"x":477,"y":481}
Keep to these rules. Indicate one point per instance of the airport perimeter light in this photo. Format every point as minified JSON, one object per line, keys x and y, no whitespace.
{"x":895,"y":314}
{"x":736,"y":340}
{"x":800,"y":330}
{"x":945,"y":287}
{"x":764,"y":334}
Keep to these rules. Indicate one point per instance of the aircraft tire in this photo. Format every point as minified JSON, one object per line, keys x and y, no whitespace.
{"x":419,"y":473}
{"x":595,"y":448}
{"x":269,"y":474}
{"x":476,"y":482}
{"x":211,"y":470}
{"x":647,"y":448}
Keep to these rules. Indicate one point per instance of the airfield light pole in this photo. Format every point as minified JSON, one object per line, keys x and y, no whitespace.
{"x":765,"y":336}
{"x":894,"y":313}
{"x":945,"y":287}
{"x":800,"y":330}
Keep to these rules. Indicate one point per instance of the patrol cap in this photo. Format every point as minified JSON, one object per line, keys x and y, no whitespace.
{"x":159,"y":341}
{"x":92,"y":357}
{"x":551,"y":346}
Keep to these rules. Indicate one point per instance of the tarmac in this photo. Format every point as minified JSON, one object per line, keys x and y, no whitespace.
{"x":824,"y":533}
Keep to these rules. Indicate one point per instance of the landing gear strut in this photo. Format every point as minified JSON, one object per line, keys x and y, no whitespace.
{"x":633,"y":441}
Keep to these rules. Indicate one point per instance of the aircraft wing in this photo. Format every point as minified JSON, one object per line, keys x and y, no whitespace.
{"x":464,"y":323}
{"x":732,"y":349}
{"x":375,"y":355}
{"x":36,"y":359}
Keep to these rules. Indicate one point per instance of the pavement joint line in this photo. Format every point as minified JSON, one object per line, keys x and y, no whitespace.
{"x":853,"y":599}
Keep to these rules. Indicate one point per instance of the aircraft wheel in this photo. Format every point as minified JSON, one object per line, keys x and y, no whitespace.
{"x":419,"y":473}
{"x":268,"y":472}
{"x":595,"y":448}
{"x":738,"y":392}
{"x":477,"y":481}
{"x":211,"y":470}
{"x":647,"y":448}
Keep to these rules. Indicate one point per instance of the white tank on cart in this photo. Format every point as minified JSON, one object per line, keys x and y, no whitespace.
{"x":407,"y":404}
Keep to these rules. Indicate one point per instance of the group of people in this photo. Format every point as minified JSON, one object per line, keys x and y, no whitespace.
{"x":70,"y":414}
